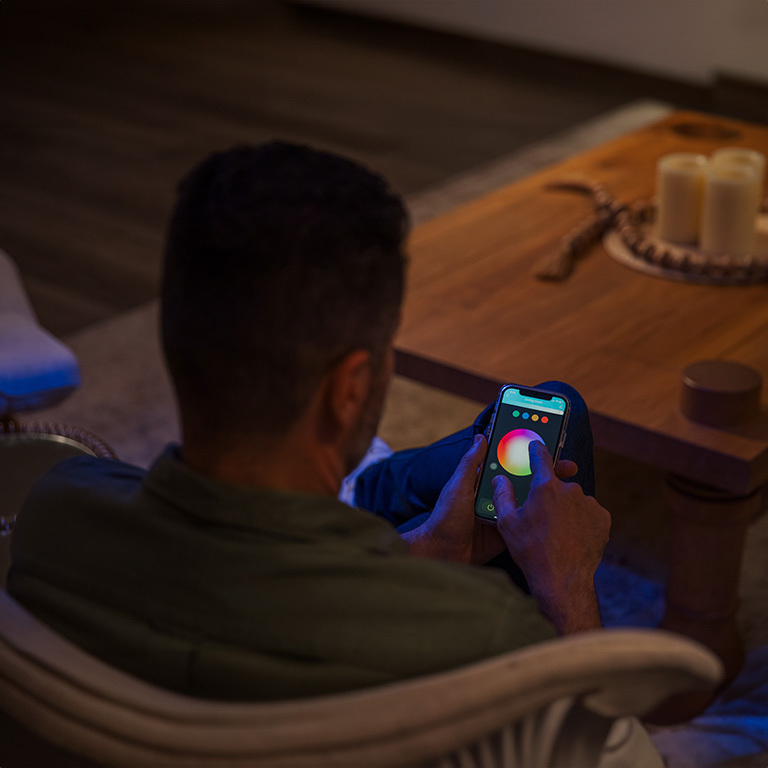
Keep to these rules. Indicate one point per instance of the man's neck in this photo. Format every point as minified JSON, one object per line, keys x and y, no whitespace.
{"x":286,"y":465}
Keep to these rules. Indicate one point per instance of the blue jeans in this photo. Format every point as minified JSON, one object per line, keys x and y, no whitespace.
{"x":404,"y":488}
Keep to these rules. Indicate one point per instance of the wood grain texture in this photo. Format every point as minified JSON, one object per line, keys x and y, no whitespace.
{"x":620,"y":337}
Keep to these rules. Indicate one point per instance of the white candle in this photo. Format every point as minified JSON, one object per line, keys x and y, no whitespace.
{"x":680,"y":189}
{"x":731,"y":197}
{"x":739,"y":156}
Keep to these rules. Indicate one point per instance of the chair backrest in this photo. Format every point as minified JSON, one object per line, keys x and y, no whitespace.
{"x":26,"y":452}
{"x":540,"y":706}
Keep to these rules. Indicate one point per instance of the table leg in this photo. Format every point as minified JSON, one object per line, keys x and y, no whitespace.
{"x":707,"y":533}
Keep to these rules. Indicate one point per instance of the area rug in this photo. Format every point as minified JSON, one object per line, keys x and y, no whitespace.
{"x":126,"y":398}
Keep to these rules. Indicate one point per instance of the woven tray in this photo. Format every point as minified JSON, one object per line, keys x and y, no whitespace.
{"x":634,"y":243}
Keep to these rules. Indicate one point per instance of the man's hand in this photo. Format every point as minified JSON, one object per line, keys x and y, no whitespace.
{"x":452,"y":532}
{"x":557,"y":538}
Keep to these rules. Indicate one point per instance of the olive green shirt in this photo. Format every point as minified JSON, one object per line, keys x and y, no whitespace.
{"x":230,"y":592}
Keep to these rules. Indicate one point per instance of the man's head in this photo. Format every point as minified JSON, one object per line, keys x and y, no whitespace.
{"x":280,"y":262}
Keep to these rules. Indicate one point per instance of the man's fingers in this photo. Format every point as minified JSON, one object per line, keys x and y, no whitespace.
{"x":471,"y":461}
{"x":476,"y":453}
{"x":541,"y":461}
{"x":503,"y":492}
{"x":565,"y":469}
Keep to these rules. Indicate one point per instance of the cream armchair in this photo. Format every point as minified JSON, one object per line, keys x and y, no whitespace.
{"x":553,"y":704}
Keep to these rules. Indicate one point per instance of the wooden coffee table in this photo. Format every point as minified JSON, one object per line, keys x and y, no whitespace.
{"x":475,"y":317}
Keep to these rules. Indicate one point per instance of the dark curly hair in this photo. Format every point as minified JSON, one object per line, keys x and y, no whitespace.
{"x":280,"y":259}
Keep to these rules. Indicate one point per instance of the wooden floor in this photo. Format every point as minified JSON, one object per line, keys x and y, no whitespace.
{"x":106,"y":104}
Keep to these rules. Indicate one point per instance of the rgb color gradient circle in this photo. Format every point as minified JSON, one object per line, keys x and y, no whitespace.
{"x":513,"y":451}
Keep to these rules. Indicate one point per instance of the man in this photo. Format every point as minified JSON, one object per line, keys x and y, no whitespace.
{"x":230,"y":570}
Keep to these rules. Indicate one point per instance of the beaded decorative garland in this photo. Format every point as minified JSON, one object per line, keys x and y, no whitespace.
{"x":629,"y":237}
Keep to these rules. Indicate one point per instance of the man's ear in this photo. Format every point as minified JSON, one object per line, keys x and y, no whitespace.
{"x":349,"y":384}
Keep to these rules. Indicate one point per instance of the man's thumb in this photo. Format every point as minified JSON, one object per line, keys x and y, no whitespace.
{"x":503,"y":493}
{"x":473,"y":458}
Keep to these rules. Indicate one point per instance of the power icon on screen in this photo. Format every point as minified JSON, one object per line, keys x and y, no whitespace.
{"x":489,"y":507}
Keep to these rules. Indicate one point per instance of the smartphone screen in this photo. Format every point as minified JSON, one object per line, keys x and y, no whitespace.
{"x":522,"y":415}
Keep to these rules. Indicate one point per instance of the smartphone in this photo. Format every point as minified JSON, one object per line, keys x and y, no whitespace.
{"x":522,"y":414}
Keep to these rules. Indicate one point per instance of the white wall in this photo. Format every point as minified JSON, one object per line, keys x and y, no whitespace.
{"x":684,"y":39}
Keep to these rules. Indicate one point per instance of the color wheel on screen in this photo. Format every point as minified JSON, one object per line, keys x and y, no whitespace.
{"x":513,"y":451}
